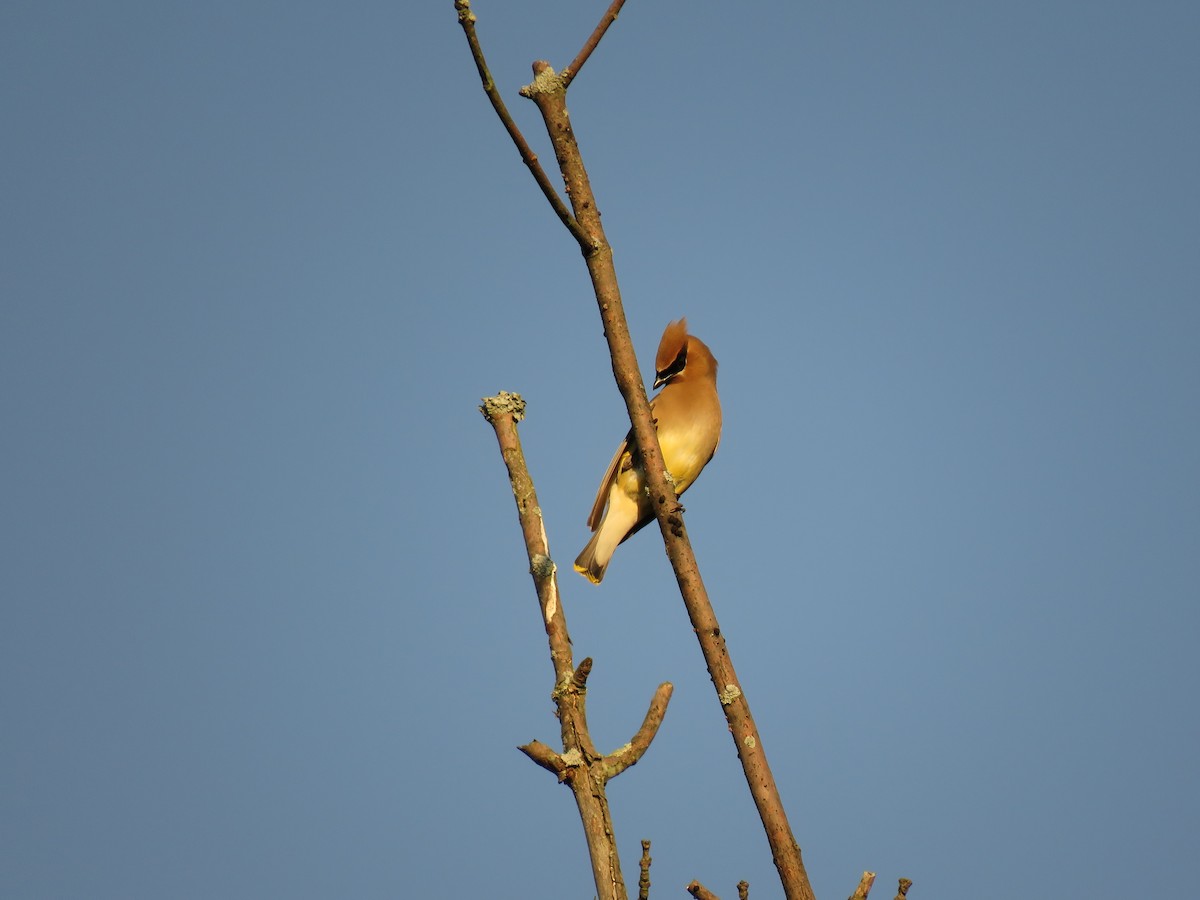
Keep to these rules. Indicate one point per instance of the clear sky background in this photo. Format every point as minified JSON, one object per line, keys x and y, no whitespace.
{"x":266,"y":628}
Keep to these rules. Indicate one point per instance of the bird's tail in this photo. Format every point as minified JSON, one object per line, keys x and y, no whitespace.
{"x":589,"y":563}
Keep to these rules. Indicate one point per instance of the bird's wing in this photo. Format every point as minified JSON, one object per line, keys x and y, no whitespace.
{"x":606,"y":483}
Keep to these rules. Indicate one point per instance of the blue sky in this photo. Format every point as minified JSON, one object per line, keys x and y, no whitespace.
{"x":266,"y":628}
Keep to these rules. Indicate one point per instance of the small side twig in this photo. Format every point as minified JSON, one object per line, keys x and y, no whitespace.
{"x":743,"y":890}
{"x":466,"y":18}
{"x":577,"y":723}
{"x":905,"y":884}
{"x":644,"y":880}
{"x":864,"y":886}
{"x":700,"y":892}
{"x":610,"y":16}
{"x":620,"y":760}
{"x":545,"y":757}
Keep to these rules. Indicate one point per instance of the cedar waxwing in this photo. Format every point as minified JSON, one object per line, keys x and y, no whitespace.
{"x":687,"y":415}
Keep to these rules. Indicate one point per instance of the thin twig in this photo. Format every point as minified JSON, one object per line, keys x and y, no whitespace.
{"x":579,"y":723}
{"x":700,"y":892}
{"x":905,"y":884}
{"x":618,"y":761}
{"x":864,"y":886}
{"x":644,"y":880}
{"x":545,"y":757}
{"x":743,"y":890}
{"x":610,"y":16}
{"x":466,"y":18}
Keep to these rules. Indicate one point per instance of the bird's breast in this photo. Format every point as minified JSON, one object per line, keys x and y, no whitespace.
{"x":687,"y":447}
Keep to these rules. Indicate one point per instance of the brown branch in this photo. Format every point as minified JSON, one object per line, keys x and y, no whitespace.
{"x":620,"y":760}
{"x":581,"y":734}
{"x":644,"y":880}
{"x":545,"y":757}
{"x":905,"y":884}
{"x":700,"y":892}
{"x":503,"y":412}
{"x":743,"y":890}
{"x":864,"y":886}
{"x":466,"y":18}
{"x":574,"y":766}
{"x":610,"y":16}
{"x":579,"y":681}
{"x":580,"y":766}
{"x":549,"y":93}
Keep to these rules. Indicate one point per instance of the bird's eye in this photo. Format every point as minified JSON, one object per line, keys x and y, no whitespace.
{"x":675,"y":367}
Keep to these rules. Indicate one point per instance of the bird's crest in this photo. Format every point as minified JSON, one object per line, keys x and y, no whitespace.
{"x":672,"y":349}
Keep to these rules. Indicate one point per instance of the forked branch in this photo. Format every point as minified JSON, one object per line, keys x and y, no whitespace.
{"x":579,"y":765}
{"x":466,"y":18}
{"x":548,"y":92}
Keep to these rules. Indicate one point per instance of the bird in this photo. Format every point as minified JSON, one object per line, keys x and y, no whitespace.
{"x":687,"y":415}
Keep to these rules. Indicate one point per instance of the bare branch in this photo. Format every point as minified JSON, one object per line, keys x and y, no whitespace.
{"x":629,"y":755}
{"x":700,"y":892}
{"x":743,"y":890}
{"x":864,"y":886}
{"x":545,"y":757}
{"x":579,"y":765}
{"x":574,"y":765}
{"x":610,"y":16}
{"x":581,"y":675}
{"x":466,"y":18}
{"x":549,"y":93}
{"x":644,"y":880}
{"x":503,"y":412}
{"x":581,"y":735}
{"x":905,"y":884}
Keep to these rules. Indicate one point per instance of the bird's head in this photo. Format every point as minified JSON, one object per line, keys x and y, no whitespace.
{"x":680,"y":353}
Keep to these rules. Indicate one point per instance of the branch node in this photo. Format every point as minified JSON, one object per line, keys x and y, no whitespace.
{"x":541,"y":566}
{"x":503,"y":403}
{"x":465,"y":16}
{"x":545,"y":81}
